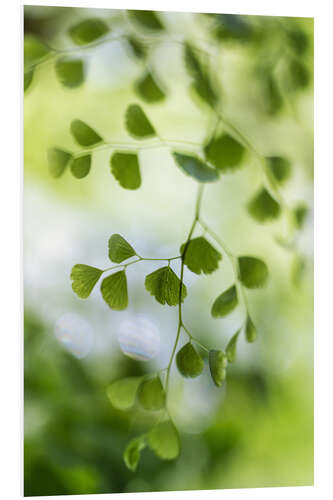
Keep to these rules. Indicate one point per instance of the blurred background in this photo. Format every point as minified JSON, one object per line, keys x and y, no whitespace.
{"x":257,"y":430}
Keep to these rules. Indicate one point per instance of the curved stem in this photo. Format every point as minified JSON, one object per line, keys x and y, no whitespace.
{"x":140,"y":259}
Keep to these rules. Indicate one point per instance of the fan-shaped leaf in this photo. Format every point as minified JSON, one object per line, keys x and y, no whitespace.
{"x":301,"y":212}
{"x":217,"y":366}
{"x":201,"y":85}
{"x":138,"y":49}
{"x":125,"y":168}
{"x":137,"y":123}
{"x":58,"y":160}
{"x":34,"y":50}
{"x":196,"y":168}
{"x":148,"y":89}
{"x":224,"y":152}
{"x":28,"y":76}
{"x":132,"y":452}
{"x":250,"y":330}
{"x":201,"y":256}
{"x":231,"y":347}
{"x":164,"y":440}
{"x":70,"y":71}
{"x":225,"y":303}
{"x":114,"y":291}
{"x":280,"y":168}
{"x":119,"y":249}
{"x":122,"y":393}
{"x":263,"y":207}
{"x":189,"y":362}
{"x":84,"y":279}
{"x":253,"y":272}
{"x":80,"y":166}
{"x":88,"y":31}
{"x":147,"y":19}
{"x":151,"y":394}
{"x":83,"y":134}
{"x":164,"y":285}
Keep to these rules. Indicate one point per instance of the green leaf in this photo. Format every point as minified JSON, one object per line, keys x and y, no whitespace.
{"x":225,"y":303}
{"x":202,"y":85}
{"x":122,"y":393}
{"x":138,"y":49}
{"x":250,"y":330}
{"x":253,"y":272}
{"x":70,"y":71}
{"x":201,"y":256}
{"x":58,"y":160}
{"x":84,"y":279}
{"x":88,"y":31}
{"x":224,"y":152}
{"x":231,"y":347}
{"x":125,"y":168}
{"x":195,"y":168}
{"x":119,"y":249}
{"x":80,"y":166}
{"x":189,"y":362}
{"x":34,"y":50}
{"x":298,"y":74}
{"x":137,"y":123}
{"x":263,"y":207}
{"x":148,"y":89}
{"x":298,"y":267}
{"x":147,"y":19}
{"x":301,"y":212}
{"x":164,"y":285}
{"x":164,"y":440}
{"x":83,"y":134}
{"x":114,"y":291}
{"x":217,"y":365}
{"x":28,"y":76}
{"x":280,"y":168}
{"x":151,"y":394}
{"x":132,"y":452}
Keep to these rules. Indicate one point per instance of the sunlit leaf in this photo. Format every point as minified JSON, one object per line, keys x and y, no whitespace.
{"x":147,"y":19}
{"x":164,"y":440}
{"x":250,"y":330}
{"x":151,"y":394}
{"x":84,"y":134}
{"x":34,"y":50}
{"x":301,"y":212}
{"x":88,"y":31}
{"x":114,"y":291}
{"x":253,"y":272}
{"x":164,"y":285}
{"x":132,"y":452}
{"x":125,"y":168}
{"x":137,"y":123}
{"x":196,"y":168}
{"x":58,"y":160}
{"x":80,"y":166}
{"x":231,"y":347}
{"x":84,"y":279}
{"x":119,"y":249}
{"x":217,"y":365}
{"x":225,"y":303}
{"x":262,"y":207}
{"x":280,"y":168}
{"x":224,"y":152}
{"x":148,"y":89}
{"x":70,"y":71}
{"x":122,"y":393}
{"x":28,"y":77}
{"x":189,"y":362}
{"x":201,"y":256}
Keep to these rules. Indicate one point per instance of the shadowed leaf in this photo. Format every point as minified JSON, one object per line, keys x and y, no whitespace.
{"x":225,"y":303}
{"x":196,"y":168}
{"x":119,"y":249}
{"x":132,"y":452}
{"x":137,"y":123}
{"x":70,"y":71}
{"x":201,"y":85}
{"x":262,"y":207}
{"x":125,"y":168}
{"x":253,"y":272}
{"x":148,"y":89}
{"x":301,"y":212}
{"x":84,"y":279}
{"x":224,"y":152}
{"x":28,"y":77}
{"x":189,"y":362}
{"x":122,"y":393}
{"x":84,"y":134}
{"x":231,"y":347}
{"x":201,"y":256}
{"x":164,"y":285}
{"x":58,"y":160}
{"x":138,"y":49}
{"x":217,"y":366}
{"x":280,"y":168}
{"x":164,"y":440}
{"x":151,"y":394}
{"x":114,"y":291}
{"x":88,"y":31}
{"x":80,"y":166}
{"x":147,"y":19}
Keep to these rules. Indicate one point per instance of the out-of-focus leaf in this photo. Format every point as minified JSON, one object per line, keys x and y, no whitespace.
{"x":225,"y":303}
{"x":34,"y":50}
{"x":196,"y":168}
{"x":125,"y":168}
{"x":164,"y":440}
{"x":271,"y":94}
{"x":164,"y":285}
{"x":301,"y":212}
{"x":298,"y":41}
{"x":201,"y":256}
{"x":147,"y":19}
{"x":58,"y":160}
{"x":217,"y":365}
{"x":298,"y":74}
{"x":232,"y":28}
{"x":88,"y":31}
{"x":84,"y":279}
{"x":137,"y":123}
{"x":122,"y":393}
{"x":151,"y":394}
{"x":114,"y":291}
{"x":84,"y":134}
{"x":148,"y":89}
{"x":298,"y":266}
{"x":253,"y":272}
{"x":70,"y":71}
{"x":224,"y":152}
{"x":28,"y":77}
{"x":201,"y":85}
{"x":250,"y":330}
{"x":231,"y":347}
{"x":138,"y":49}
{"x":280,"y":168}
{"x":80,"y":166}
{"x":132,"y":452}
{"x":189,"y":362}
{"x":262,"y":207}
{"x":119,"y":249}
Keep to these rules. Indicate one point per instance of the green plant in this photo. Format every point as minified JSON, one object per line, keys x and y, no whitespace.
{"x":223,"y":150}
